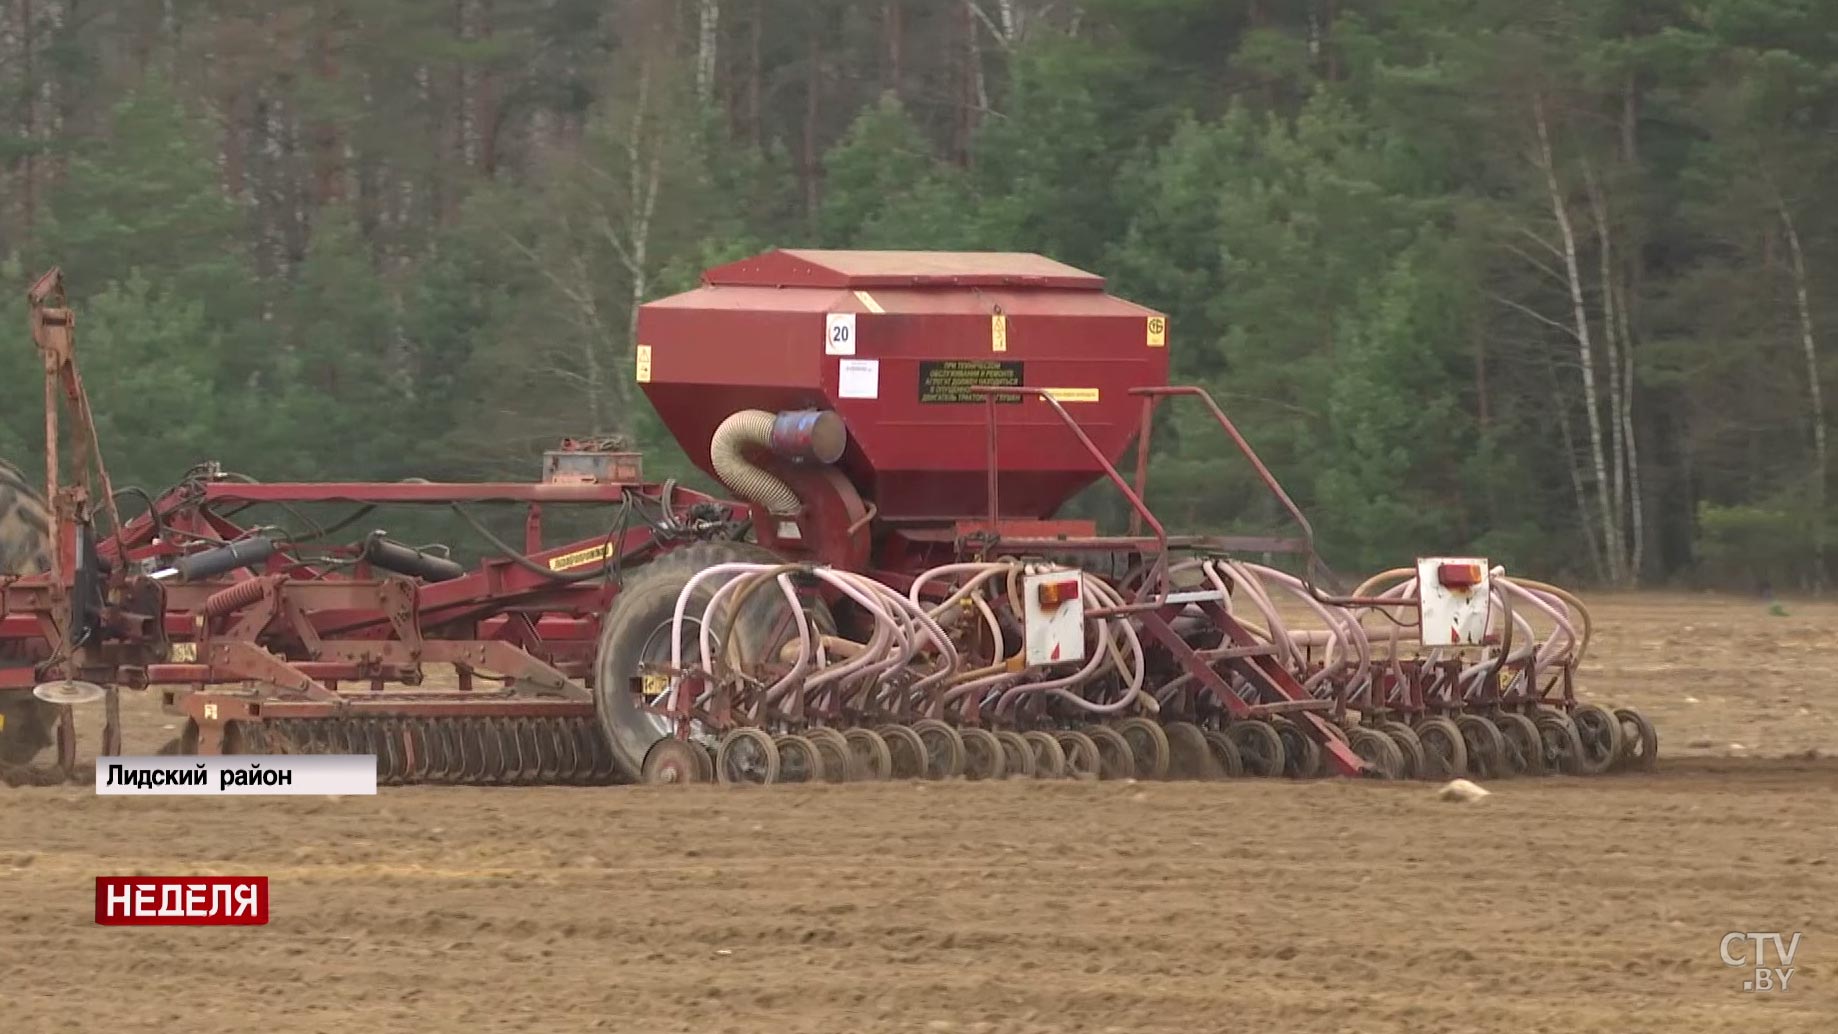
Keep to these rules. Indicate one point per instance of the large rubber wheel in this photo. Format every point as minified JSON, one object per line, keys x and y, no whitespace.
{"x":1148,"y":745}
{"x":1639,"y":741}
{"x":1445,"y":752}
{"x":1259,"y":746}
{"x":636,"y":631}
{"x":1601,"y":734}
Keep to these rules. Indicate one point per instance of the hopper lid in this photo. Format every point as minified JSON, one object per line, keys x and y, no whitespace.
{"x":807,"y":267}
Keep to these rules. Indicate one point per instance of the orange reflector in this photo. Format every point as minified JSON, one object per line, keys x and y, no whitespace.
{"x":1459,"y":576}
{"x":1052,"y":594}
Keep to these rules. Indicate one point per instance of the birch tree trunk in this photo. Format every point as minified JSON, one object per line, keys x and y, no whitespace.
{"x":1611,"y":538}
{"x":1809,"y":349}
{"x":708,"y":42}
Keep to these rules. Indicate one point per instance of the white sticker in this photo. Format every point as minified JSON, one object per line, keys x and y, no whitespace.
{"x":859,"y":378}
{"x":839,"y":334}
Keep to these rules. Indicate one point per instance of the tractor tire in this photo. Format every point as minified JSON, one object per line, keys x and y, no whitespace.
{"x":636,"y":631}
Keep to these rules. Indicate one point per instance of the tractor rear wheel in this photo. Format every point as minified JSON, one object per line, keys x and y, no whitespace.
{"x":636,"y":632}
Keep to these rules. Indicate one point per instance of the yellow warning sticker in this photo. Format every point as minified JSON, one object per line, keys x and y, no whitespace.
{"x":578,"y":558}
{"x":184,"y":653}
{"x":869,"y":303}
{"x":644,"y":364}
{"x":1074,"y":394}
{"x":1158,"y":331}
{"x":998,"y":333}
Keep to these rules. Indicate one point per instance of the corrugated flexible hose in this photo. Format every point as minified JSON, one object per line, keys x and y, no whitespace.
{"x":750,"y":427}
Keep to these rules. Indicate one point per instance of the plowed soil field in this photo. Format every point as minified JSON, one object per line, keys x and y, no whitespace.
{"x":1557,"y":904}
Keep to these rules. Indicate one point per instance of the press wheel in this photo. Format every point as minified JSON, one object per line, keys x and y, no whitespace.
{"x":672,"y":761}
{"x":799,"y":760}
{"x":1224,"y":753}
{"x":1189,"y":757}
{"x":1082,"y":760}
{"x":1148,"y":745}
{"x":1639,"y":741}
{"x":1377,"y":750}
{"x":1445,"y":751}
{"x":983,"y":755}
{"x":1600,"y":732}
{"x":838,"y":756}
{"x":944,"y":749}
{"x":1049,"y":756}
{"x":1409,"y":746}
{"x":747,"y":756}
{"x":1524,"y":745}
{"x":1260,"y":746}
{"x":1486,"y":746}
{"x":906,"y":751}
{"x":1017,"y":756}
{"x":873,"y":755}
{"x":1115,"y":759}
{"x":1560,"y":744}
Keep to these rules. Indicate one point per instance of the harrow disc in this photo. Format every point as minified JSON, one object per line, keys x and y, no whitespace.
{"x":1639,"y":741}
{"x":1148,"y":745}
{"x":1600,"y":732}
{"x":1049,"y":756}
{"x":873,"y":754}
{"x":469,"y":750}
{"x":906,"y":751}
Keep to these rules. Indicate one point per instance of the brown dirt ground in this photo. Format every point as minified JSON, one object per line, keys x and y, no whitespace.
{"x":1553,"y":905}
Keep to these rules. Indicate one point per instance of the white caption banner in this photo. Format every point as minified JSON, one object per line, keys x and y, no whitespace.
{"x":224,"y":775}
